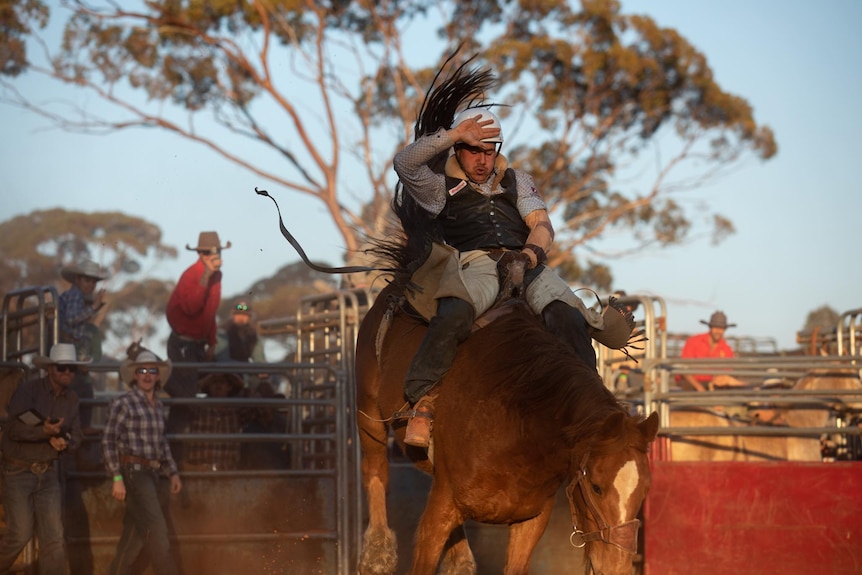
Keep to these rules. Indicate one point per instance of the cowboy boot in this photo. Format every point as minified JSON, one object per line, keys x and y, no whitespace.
{"x":418,"y":432}
{"x":435,"y":355}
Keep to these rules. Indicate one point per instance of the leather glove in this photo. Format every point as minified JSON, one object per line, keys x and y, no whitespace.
{"x":510,"y":257}
{"x":511,"y":267}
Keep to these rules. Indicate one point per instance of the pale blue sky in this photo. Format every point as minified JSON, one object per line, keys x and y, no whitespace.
{"x":796,"y":62}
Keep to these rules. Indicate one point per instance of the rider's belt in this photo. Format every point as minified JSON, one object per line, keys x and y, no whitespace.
{"x":142,"y":461}
{"x":37,"y":467}
{"x":190,"y":339}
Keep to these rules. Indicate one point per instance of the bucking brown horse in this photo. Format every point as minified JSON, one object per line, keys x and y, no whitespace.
{"x":518,"y":416}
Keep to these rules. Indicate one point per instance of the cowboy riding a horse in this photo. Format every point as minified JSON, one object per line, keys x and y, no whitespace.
{"x":518,"y":409}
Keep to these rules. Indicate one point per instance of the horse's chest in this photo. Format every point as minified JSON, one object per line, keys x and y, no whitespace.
{"x":503,"y":502}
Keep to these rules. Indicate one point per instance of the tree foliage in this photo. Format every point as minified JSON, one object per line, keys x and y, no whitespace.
{"x":314,"y":96}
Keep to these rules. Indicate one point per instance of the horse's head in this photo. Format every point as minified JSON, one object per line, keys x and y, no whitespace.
{"x":609,"y":486}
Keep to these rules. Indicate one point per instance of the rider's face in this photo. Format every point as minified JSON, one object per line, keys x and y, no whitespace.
{"x":477,"y":161}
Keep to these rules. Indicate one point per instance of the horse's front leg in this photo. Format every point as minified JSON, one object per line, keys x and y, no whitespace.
{"x":437,"y":522}
{"x":523,"y":538}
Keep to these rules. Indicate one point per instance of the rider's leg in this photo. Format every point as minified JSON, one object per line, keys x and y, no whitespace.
{"x":562,"y":311}
{"x":570,"y":327}
{"x":435,"y":355}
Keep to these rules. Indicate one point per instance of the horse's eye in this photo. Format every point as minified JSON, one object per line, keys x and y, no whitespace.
{"x":596,"y":489}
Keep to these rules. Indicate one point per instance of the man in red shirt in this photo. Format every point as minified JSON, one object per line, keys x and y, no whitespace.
{"x":710,"y":345}
{"x":191,"y":313}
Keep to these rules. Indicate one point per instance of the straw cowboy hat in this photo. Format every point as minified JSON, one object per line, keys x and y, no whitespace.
{"x":61,"y":354}
{"x":86,"y":268}
{"x":208,"y":242}
{"x":235,"y":381}
{"x":718,"y":319}
{"x":143,"y":356}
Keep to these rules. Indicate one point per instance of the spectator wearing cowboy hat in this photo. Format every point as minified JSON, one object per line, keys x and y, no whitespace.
{"x":138,"y":458}
{"x":80,"y":307}
{"x":710,"y":345}
{"x":191,"y":314}
{"x":43,"y":423}
{"x":222,"y":419}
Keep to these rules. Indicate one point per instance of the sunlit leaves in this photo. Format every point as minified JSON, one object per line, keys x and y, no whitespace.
{"x":17,"y":19}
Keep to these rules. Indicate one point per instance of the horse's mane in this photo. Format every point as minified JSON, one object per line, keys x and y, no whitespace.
{"x":535,"y":373}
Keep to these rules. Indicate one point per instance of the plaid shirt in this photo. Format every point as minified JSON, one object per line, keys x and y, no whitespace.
{"x":221,"y":454}
{"x":75,"y":313}
{"x":136,"y":428}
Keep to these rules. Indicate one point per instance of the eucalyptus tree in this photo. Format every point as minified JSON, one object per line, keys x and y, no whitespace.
{"x":614,"y":115}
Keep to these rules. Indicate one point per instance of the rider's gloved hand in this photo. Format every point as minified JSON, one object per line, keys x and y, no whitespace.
{"x":510,"y":257}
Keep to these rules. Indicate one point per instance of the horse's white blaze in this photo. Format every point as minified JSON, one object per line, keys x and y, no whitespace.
{"x":625,"y":483}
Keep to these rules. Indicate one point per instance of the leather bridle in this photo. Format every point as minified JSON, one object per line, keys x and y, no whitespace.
{"x":623,"y":536}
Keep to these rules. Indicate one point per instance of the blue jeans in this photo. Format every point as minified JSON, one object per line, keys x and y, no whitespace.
{"x":144,"y":523}
{"x":33,"y":500}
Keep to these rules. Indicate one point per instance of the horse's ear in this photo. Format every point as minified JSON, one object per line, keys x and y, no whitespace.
{"x":649,"y":426}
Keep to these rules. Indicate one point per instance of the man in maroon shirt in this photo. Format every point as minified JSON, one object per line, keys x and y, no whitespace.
{"x":191,"y":313}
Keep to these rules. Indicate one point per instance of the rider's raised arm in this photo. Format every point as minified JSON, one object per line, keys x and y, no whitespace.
{"x":427,"y":187}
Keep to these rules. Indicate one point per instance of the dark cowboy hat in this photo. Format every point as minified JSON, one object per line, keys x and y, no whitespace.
{"x":61,"y":354}
{"x":86,"y":268}
{"x":208,"y":242}
{"x":235,"y":381}
{"x":143,"y":356}
{"x":718,"y":319}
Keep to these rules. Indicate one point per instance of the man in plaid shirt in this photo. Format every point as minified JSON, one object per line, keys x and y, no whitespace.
{"x":138,"y":457}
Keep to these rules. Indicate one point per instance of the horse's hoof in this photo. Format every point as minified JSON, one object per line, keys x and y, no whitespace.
{"x":458,"y":564}
{"x":379,"y":553}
